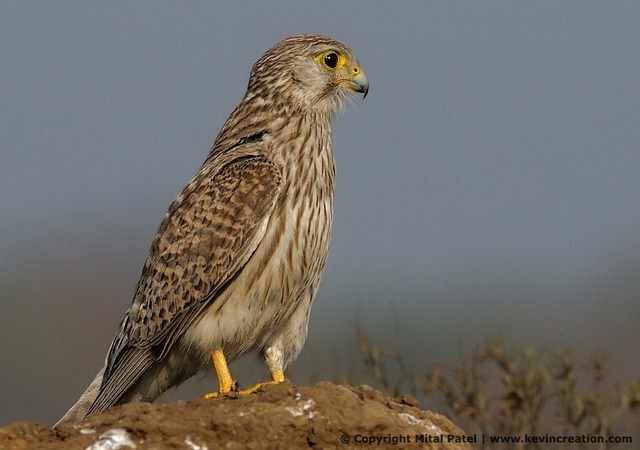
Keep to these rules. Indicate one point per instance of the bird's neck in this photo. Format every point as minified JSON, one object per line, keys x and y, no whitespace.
{"x":298,"y":140}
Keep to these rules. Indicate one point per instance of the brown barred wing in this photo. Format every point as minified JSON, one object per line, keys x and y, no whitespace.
{"x":209,"y":233}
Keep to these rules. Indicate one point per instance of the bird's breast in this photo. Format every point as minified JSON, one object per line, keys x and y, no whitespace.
{"x":286,"y":267}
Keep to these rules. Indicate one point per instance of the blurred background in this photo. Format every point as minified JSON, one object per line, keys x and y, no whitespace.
{"x":488,"y":184}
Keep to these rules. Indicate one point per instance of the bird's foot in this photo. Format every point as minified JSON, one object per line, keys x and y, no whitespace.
{"x":257,"y":386}
{"x":232,"y":388}
{"x":277,"y":377}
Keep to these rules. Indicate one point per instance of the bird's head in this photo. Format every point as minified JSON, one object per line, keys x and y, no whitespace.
{"x":308,"y":72}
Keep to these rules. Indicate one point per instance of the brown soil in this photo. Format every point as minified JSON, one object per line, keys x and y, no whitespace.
{"x":282,"y":416}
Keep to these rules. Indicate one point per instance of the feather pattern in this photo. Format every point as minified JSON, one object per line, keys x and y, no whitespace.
{"x":238,"y":258}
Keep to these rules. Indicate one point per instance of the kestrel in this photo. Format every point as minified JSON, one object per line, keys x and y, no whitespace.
{"x":237,"y":259}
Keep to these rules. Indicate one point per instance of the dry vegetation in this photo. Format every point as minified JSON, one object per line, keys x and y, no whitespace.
{"x":499,"y":391}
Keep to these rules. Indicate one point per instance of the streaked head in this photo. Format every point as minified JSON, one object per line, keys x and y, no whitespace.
{"x":309,"y":72}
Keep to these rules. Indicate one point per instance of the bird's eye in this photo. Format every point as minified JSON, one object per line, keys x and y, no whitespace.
{"x":331,"y":60}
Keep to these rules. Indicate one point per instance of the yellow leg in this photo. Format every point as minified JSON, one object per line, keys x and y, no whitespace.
{"x":277,"y":377}
{"x":226,"y":382}
{"x":222,"y":370}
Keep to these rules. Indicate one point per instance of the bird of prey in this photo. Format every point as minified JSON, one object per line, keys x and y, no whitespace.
{"x":237,"y":259}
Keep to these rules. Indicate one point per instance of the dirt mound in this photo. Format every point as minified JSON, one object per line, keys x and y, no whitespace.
{"x":282,"y":416}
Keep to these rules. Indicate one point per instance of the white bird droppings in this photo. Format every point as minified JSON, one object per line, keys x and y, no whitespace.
{"x":114,"y":439}
{"x":193,"y":445}
{"x":412,"y":420}
{"x":301,"y":410}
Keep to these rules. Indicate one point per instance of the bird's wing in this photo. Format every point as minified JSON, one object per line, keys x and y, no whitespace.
{"x":208,"y":235}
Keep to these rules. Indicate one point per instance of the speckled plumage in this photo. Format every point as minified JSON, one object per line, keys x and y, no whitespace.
{"x":238,"y":257}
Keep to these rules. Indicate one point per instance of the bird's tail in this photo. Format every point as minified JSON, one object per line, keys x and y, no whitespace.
{"x":79,"y":411}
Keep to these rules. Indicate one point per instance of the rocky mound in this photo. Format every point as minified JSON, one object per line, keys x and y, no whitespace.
{"x":282,"y":416}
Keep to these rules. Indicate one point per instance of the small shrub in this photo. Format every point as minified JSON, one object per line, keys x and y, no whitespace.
{"x":497,"y":391}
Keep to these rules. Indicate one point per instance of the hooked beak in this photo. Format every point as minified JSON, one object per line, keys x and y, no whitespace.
{"x":358,"y":82}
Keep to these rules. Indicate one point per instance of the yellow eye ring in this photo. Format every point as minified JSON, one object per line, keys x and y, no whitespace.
{"x":331,"y":60}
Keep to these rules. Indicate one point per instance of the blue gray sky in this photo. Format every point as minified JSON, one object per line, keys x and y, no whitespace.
{"x":488,"y":184}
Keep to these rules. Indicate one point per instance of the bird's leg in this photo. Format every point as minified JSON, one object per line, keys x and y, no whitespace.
{"x":226,"y":382}
{"x":274,"y":357}
{"x":277,"y":376}
{"x":224,"y":376}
